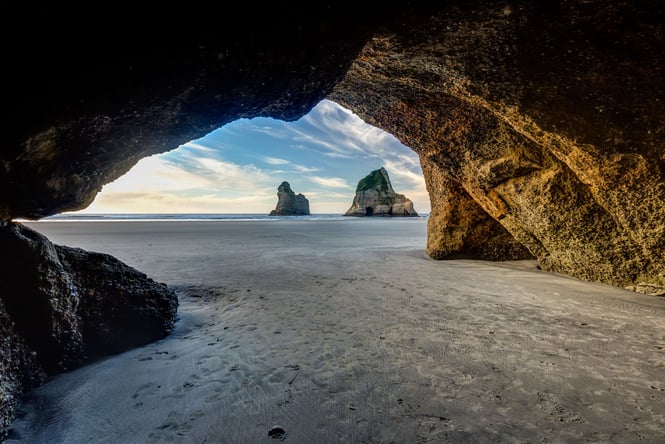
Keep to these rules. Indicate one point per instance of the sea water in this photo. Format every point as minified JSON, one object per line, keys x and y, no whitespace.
{"x":150,"y":217}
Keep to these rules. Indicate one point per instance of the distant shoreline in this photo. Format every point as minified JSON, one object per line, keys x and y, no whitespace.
{"x":194,"y":217}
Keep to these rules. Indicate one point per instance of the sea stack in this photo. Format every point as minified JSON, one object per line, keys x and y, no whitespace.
{"x":290,"y":203}
{"x":375,"y":197}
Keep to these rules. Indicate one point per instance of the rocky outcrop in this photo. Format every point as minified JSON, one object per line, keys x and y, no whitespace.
{"x":61,"y":306}
{"x":375,"y":197}
{"x":290,"y":203}
{"x":525,"y":117}
{"x":119,"y":307}
{"x":458,"y":227}
{"x":19,"y":369}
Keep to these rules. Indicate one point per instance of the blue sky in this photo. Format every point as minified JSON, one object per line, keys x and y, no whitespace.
{"x":237,"y":168}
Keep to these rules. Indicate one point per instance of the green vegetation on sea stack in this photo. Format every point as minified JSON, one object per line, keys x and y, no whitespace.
{"x":375,"y":179}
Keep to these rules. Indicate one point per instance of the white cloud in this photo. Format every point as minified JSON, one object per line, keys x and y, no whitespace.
{"x":340,"y":134}
{"x":305,"y":169}
{"x":404,"y":172}
{"x":327,"y":195}
{"x":157,"y":184}
{"x":339,"y":147}
{"x":332,"y":182}
{"x":290,"y":166}
{"x":339,"y":155}
{"x":227,"y":175}
{"x":198,"y":147}
{"x":154,"y":173}
{"x":352,"y":135}
{"x":275,"y":161}
{"x":177,"y":203}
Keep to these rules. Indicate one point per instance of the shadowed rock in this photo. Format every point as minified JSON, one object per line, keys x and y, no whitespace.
{"x":19,"y":369}
{"x":41,"y":297}
{"x":61,"y":306}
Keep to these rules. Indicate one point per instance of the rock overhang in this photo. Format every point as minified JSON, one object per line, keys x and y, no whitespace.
{"x":91,"y":95}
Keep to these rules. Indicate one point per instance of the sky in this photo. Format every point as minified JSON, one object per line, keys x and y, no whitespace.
{"x":237,"y":168}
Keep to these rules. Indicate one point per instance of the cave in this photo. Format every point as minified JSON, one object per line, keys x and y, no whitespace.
{"x":540,"y":129}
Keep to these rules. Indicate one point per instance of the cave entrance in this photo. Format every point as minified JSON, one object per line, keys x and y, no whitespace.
{"x":238,"y":168}
{"x":369,"y":211}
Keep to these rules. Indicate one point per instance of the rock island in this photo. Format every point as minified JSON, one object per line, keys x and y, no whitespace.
{"x":290,"y":203}
{"x":375,"y":197}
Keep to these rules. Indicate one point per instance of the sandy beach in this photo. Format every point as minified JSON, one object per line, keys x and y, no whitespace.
{"x":345,"y":332}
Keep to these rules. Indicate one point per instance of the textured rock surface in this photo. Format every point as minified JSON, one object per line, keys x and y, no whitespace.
{"x":61,"y":306}
{"x":19,"y":369}
{"x":289,"y":203}
{"x":119,"y":306}
{"x":40,"y":297}
{"x":540,"y":115}
{"x":458,"y":227}
{"x":375,"y":197}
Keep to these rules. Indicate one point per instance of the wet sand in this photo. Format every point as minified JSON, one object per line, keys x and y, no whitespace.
{"x":344,"y":331}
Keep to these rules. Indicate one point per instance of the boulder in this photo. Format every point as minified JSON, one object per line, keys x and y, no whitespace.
{"x":62,"y":306}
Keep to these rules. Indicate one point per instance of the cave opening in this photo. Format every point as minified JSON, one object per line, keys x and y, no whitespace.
{"x":236,"y":169}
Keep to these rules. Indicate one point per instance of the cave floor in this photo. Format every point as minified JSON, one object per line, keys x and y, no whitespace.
{"x":344,"y":331}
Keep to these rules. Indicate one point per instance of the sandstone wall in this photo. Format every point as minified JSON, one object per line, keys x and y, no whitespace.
{"x":539,"y":118}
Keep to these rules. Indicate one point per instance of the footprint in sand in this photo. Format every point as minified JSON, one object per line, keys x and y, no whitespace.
{"x":172,"y":426}
{"x":148,"y":388}
{"x":548,"y":402}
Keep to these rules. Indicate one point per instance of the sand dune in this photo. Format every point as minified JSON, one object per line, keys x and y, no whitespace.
{"x":343,"y":331}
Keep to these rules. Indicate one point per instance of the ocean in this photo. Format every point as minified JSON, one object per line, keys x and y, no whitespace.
{"x":191,"y":217}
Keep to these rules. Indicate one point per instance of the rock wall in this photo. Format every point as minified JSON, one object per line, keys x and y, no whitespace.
{"x":537,"y":118}
{"x":19,"y":369}
{"x":459,"y":228}
{"x":289,"y":203}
